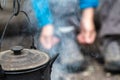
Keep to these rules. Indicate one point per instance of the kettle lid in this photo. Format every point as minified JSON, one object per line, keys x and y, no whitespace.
{"x":19,"y":58}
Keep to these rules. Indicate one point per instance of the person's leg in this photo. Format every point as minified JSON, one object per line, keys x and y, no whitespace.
{"x":110,"y":31}
{"x":71,"y":57}
{"x":70,"y":60}
{"x":111,"y":54}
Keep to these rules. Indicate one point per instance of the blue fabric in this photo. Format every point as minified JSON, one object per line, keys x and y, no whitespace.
{"x":43,"y":14}
{"x":88,"y":3}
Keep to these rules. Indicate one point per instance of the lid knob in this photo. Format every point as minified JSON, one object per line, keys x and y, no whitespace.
{"x":17,"y":50}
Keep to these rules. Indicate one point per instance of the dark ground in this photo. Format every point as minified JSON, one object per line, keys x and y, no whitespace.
{"x":94,"y":71}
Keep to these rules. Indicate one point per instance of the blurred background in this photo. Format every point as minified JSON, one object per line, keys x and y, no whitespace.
{"x":19,"y":32}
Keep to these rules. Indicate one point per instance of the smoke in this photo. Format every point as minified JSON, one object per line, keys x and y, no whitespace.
{"x":70,"y":59}
{"x":33,"y":24}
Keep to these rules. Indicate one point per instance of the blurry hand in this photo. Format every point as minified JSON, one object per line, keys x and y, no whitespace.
{"x":46,"y":37}
{"x":87,"y":33}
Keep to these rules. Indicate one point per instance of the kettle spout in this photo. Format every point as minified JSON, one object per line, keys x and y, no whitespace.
{"x":49,"y":67}
{"x":53,"y":60}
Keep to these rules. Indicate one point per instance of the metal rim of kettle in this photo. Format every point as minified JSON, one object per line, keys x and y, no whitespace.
{"x":24,"y":71}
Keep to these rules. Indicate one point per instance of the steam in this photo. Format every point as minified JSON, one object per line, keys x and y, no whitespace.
{"x":70,"y":58}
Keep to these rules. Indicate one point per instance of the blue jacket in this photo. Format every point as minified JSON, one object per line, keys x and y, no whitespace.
{"x":43,"y":14}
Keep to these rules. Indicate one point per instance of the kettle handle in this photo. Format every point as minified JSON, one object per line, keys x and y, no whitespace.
{"x":11,"y":17}
{"x":2,"y":74}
